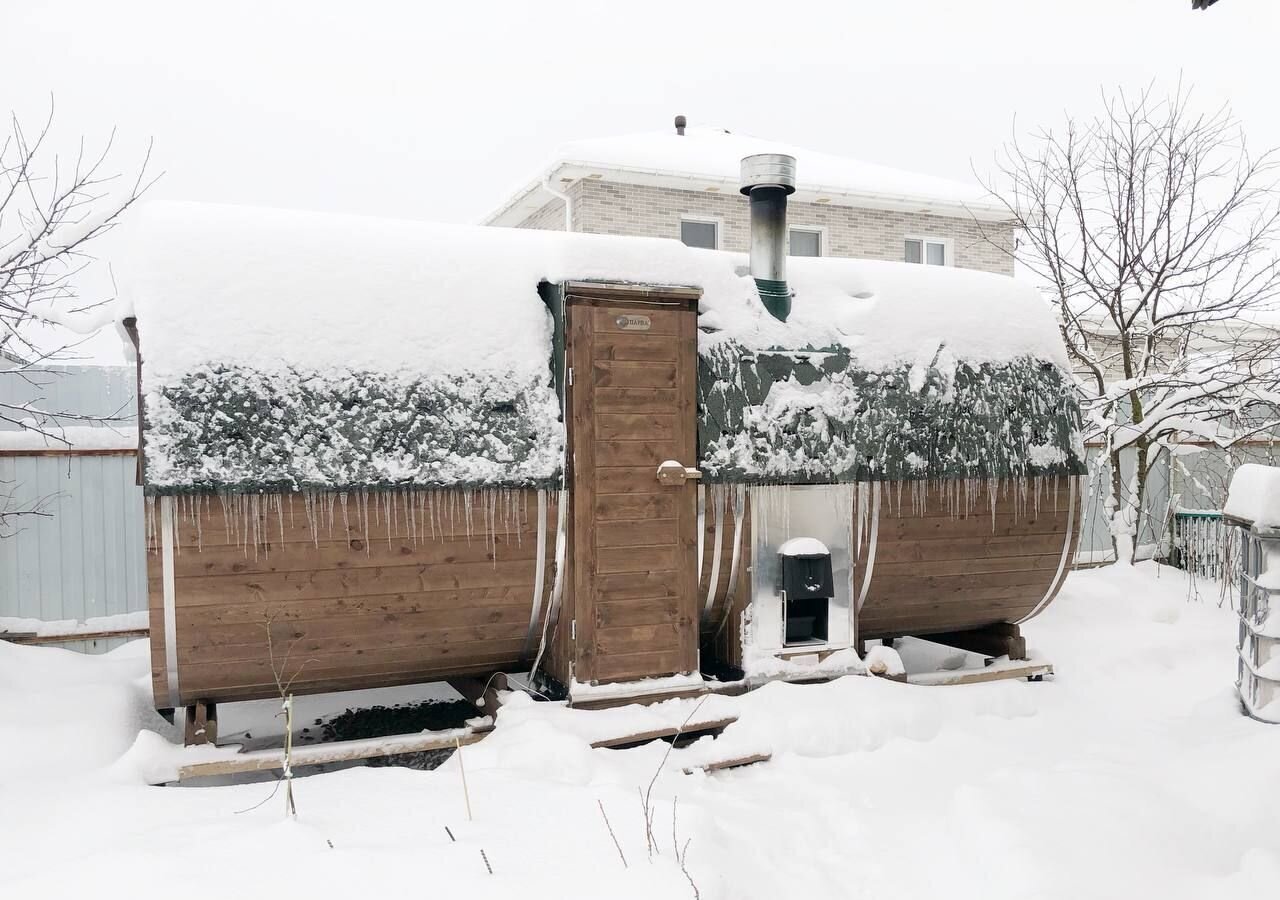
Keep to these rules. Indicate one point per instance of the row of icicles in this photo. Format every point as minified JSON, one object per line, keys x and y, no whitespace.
{"x":419,"y":516}
{"x":253,"y":520}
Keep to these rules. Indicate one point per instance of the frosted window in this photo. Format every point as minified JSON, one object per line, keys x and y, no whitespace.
{"x":806,"y":243}
{"x":918,"y":250}
{"x":698,"y":234}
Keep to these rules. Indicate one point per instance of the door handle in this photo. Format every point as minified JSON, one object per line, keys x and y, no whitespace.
{"x":673,"y":473}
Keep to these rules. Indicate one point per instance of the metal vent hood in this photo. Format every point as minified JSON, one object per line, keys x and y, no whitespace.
{"x":767,"y":180}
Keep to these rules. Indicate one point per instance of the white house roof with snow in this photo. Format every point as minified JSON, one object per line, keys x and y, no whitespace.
{"x":708,"y":158}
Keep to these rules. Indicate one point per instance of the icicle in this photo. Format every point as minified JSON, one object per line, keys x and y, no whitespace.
{"x":387,"y":523}
{"x":467,"y":507}
{"x":993,"y":494}
{"x":198,"y":521}
{"x":149,"y":508}
{"x":252,"y":521}
{"x":491,"y":515}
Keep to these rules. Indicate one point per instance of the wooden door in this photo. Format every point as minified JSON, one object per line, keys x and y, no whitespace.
{"x":634,"y":544}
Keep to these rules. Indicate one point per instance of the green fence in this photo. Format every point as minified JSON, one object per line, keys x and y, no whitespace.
{"x":1201,"y":543}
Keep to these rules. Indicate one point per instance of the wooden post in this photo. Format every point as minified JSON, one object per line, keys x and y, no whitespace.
{"x":202,"y":723}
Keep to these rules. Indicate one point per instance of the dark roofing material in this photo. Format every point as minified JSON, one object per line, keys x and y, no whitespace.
{"x":838,"y":423}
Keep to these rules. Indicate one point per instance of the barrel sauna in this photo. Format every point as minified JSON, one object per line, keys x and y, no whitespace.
{"x":325,"y":592}
{"x":489,"y":458}
{"x":946,"y":563}
{"x":927,"y":559}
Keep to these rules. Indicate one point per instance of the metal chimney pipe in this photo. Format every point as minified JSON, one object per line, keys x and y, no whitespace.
{"x":767,"y":179}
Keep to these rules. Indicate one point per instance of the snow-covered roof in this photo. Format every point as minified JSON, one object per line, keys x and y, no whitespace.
{"x":709,"y":158}
{"x":295,"y":349}
{"x":36,"y":436}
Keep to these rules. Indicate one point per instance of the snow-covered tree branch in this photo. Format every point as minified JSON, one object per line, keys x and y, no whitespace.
{"x":53,"y":210}
{"x":1154,"y":229}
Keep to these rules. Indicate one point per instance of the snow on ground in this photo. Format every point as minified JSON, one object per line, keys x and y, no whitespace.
{"x":1130,"y":774}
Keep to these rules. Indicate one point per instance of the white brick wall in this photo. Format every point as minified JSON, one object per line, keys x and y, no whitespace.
{"x":604,"y":207}
{"x":551,"y":216}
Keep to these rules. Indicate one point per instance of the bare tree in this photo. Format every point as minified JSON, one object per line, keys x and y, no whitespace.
{"x":53,"y":209}
{"x":14,"y":513}
{"x":1155,"y":232}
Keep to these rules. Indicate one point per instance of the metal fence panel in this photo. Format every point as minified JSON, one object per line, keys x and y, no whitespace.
{"x":87,"y":558}
{"x":1095,"y":538}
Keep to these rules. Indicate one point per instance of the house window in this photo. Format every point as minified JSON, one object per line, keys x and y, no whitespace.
{"x":926,"y":250}
{"x":805,"y":242}
{"x":699,"y":234}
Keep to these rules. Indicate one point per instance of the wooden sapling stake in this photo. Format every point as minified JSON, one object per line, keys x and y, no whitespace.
{"x":466,"y":795}
{"x":289,"y":806}
{"x":278,"y":671}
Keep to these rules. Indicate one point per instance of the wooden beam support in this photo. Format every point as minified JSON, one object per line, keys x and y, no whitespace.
{"x":31,"y":637}
{"x":1001,"y":639}
{"x":482,"y":693}
{"x":202,"y":723}
{"x":70,"y":451}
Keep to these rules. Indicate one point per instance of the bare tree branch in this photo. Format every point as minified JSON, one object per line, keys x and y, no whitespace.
{"x":53,"y":209}
{"x":1154,"y":230}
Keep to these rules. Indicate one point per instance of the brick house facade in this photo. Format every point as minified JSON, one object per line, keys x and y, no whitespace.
{"x":609,"y":207}
{"x":613,"y":198}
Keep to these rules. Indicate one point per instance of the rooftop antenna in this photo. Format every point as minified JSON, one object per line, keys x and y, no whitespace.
{"x":681,"y":122}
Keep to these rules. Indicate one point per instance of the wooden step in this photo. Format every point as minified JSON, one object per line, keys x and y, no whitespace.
{"x":1032,"y":671}
{"x":698,"y":728}
{"x":642,"y":699}
{"x":733,"y":762}
{"x":335,"y":751}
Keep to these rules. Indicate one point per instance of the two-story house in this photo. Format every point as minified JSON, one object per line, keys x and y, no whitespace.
{"x":683,"y":183}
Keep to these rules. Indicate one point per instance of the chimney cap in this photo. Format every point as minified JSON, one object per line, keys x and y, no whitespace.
{"x":681,"y":122}
{"x":768,"y":170}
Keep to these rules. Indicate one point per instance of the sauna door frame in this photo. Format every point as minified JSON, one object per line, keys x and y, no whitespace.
{"x":581,"y":298}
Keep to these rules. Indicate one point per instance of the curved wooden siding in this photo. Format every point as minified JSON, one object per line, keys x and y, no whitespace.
{"x":936,"y":568}
{"x":349,"y":606}
{"x":939,"y":569}
{"x":720,"y":623}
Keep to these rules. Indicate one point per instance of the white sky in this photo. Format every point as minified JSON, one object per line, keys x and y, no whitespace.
{"x":438,"y":111}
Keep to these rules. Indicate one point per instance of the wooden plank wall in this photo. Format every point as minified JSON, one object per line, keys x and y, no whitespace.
{"x":365,"y":606}
{"x":938,"y":569}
